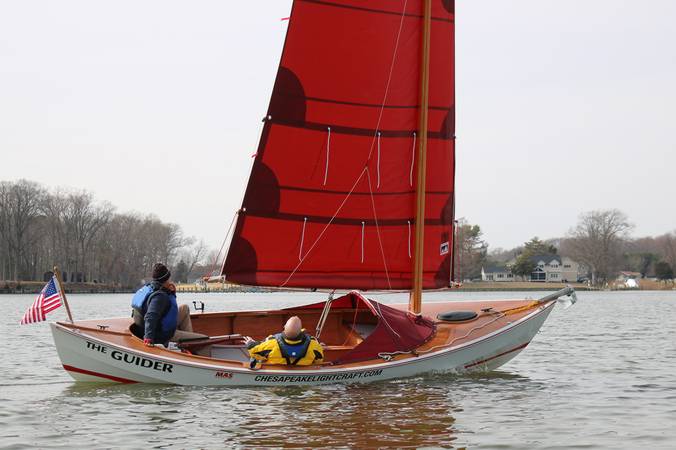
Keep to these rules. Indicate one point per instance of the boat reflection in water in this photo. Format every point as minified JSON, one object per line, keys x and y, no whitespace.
{"x":416,"y":412}
{"x":390,"y":415}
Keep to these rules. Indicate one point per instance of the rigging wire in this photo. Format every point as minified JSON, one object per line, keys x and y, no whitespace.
{"x":387,"y":356}
{"x":373,"y":141}
{"x":378,"y":164}
{"x":389,"y":76}
{"x":241,"y":202}
{"x":218,"y":255}
{"x":326,"y":227}
{"x":328,"y":153}
{"x":302,"y":239}
{"x":380,"y":241}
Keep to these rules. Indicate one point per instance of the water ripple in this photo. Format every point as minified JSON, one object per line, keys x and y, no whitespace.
{"x":593,"y":378}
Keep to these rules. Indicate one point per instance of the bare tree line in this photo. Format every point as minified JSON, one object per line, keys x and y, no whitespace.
{"x":470,"y":250}
{"x":597,"y":241}
{"x":89,"y":240}
{"x":602,"y":243}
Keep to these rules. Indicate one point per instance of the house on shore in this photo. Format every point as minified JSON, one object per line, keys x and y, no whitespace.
{"x":496,"y":272}
{"x":554,"y":269}
{"x":548,"y":269}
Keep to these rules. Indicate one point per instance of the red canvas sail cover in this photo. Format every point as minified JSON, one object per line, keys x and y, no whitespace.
{"x":331,"y":197}
{"x":396,"y":331}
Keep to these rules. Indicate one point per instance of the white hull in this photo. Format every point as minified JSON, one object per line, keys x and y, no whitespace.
{"x":90,"y":359}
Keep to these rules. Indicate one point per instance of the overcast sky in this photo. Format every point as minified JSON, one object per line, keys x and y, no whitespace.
{"x":155,"y":106}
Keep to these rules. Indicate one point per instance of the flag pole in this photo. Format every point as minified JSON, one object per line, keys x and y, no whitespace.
{"x":57,"y":274}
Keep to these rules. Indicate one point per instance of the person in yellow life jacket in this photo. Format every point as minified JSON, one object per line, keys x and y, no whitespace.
{"x":292,"y":347}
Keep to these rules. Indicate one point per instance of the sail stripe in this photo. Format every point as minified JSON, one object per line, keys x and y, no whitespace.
{"x":333,"y":271}
{"x":344,"y":221}
{"x":370,"y":105}
{"x":327,"y":191}
{"x":372,"y":10}
{"x":316,"y":126}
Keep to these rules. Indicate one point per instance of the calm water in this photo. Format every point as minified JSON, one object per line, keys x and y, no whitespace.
{"x":601,"y":374}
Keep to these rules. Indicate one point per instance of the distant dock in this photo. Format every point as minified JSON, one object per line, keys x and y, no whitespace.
{"x":34,"y":287}
{"x":519,"y":286}
{"x":217,"y":287}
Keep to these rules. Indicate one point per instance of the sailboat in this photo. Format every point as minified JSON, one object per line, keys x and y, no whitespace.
{"x":351,"y":190}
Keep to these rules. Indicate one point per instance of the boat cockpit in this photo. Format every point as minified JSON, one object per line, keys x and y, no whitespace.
{"x":343,"y":326}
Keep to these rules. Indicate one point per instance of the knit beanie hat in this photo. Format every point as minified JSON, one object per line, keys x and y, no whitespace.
{"x":160,"y":273}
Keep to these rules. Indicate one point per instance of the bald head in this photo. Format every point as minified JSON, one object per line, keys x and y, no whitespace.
{"x":293,"y":327}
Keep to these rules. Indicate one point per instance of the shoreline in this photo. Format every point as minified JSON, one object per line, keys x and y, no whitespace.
{"x":34,"y":287}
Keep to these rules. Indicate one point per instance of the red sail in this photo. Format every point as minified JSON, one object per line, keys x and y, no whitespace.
{"x":331,"y":197}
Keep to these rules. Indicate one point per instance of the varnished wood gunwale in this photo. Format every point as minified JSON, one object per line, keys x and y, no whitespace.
{"x":447,"y":335}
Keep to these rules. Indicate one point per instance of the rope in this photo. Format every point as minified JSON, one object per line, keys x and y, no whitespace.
{"x":519,"y":309}
{"x":410,"y":174}
{"x":218,"y":255}
{"x":383,"y":318}
{"x":499,"y":315}
{"x":302,"y":239}
{"x":409,"y":238}
{"x":389,"y":77}
{"x":241,"y":202}
{"x":387,"y":356}
{"x":362,"y":242}
{"x":328,"y":153}
{"x":354,"y":322}
{"x":378,"y":164}
{"x":380,"y":241}
{"x":326,"y":227}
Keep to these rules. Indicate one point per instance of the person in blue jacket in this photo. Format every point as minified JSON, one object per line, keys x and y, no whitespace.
{"x":156,"y":312}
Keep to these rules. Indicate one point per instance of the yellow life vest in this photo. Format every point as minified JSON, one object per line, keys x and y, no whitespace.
{"x":271,"y":352}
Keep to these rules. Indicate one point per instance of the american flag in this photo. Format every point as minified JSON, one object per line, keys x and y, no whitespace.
{"x":48,"y":300}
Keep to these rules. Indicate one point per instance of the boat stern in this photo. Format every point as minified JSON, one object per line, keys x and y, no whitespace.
{"x":86,"y":359}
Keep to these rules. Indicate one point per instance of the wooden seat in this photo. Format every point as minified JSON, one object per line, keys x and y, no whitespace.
{"x":337,"y":347}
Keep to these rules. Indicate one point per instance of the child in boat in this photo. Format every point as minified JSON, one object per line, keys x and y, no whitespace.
{"x":292,"y":347}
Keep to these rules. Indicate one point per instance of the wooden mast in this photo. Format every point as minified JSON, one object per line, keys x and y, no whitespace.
{"x":415,"y":300}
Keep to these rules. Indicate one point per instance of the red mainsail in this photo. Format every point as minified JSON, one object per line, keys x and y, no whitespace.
{"x":331,"y":197}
